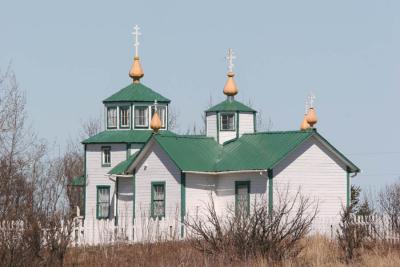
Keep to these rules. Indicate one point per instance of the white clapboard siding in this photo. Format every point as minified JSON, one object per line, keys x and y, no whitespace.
{"x":211,"y":125}
{"x":246,"y":123}
{"x":199,"y":189}
{"x":125,"y":201}
{"x":316,"y":172}
{"x":156,"y":166}
{"x":97,"y":175}
{"x":226,"y":136}
{"x":225,"y":189}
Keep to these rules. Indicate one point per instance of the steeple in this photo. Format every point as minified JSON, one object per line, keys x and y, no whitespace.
{"x":304,"y":124}
{"x":136,"y":71}
{"x":155,"y":123}
{"x":230,"y":88}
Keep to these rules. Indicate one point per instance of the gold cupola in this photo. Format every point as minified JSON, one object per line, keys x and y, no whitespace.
{"x":311,"y":117}
{"x":304,"y":125}
{"x":136,"y":71}
{"x":155,"y":123}
{"x":230,"y":88}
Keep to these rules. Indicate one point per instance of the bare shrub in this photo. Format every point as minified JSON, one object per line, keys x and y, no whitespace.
{"x":273,"y":234}
{"x":389,"y":205}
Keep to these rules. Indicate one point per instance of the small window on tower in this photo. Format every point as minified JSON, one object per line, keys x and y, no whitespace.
{"x":161,"y":113}
{"x":106,"y":156}
{"x":124,"y":117}
{"x":228,"y":122}
{"x":141,"y":117}
{"x":112,"y":117}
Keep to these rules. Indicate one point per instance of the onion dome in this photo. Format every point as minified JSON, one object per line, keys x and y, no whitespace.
{"x":230,"y":88}
{"x":304,"y":125}
{"x":311,"y":117}
{"x":136,"y":71}
{"x":155,"y":123}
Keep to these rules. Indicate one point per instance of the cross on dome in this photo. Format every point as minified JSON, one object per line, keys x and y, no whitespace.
{"x":136,"y":33}
{"x":311,"y":98}
{"x":230,"y":57}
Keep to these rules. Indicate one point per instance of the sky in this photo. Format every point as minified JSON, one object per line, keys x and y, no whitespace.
{"x":70,"y":55}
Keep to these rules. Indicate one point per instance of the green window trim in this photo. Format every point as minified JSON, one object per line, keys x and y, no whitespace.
{"x":237,"y":124}
{"x":84,"y":173}
{"x":183,"y":202}
{"x":237,"y":185}
{"x":98,"y":187}
{"x":153,"y":186}
{"x":217,"y":127}
{"x":233,"y":121}
{"x":348,"y":189}
{"x":103,"y":163}
{"x":270,"y":191}
{"x":121,"y":108}
{"x":133,"y":197}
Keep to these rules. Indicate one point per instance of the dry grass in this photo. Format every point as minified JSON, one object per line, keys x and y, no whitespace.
{"x":318,"y":251}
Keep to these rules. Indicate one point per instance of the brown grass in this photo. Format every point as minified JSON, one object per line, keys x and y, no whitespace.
{"x":318,"y":251}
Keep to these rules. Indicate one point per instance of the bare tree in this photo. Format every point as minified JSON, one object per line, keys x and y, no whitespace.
{"x":389,"y":205}
{"x":274,"y":234}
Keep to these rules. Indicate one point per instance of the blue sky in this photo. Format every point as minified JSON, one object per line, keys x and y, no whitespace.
{"x":70,"y":55}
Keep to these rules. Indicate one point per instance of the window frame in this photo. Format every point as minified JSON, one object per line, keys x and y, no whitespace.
{"x":163,"y":118}
{"x":116,"y":117}
{"x":127,"y":126}
{"x":233,"y":121}
{"x":98,"y":187}
{"x":237,"y":184}
{"x":153,"y":185}
{"x":103,"y":163}
{"x":134,"y":117}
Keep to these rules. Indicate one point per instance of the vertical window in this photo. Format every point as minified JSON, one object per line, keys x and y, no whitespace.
{"x":158,"y":199}
{"x":242,"y":198}
{"x":106,"y":156}
{"x":112,"y":117}
{"x":161,"y":112}
{"x":227,"y":122}
{"x":141,"y":117}
{"x":124,"y":117}
{"x":103,"y":202}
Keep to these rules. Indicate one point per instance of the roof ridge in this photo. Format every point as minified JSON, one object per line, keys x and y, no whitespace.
{"x":280,"y":132}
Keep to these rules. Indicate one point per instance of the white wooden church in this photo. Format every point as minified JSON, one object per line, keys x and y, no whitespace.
{"x":140,"y":180}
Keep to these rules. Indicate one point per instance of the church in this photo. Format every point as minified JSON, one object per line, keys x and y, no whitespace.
{"x":141,"y":180}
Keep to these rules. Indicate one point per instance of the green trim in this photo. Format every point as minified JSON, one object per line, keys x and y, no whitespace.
{"x":237,"y":124}
{"x":102,"y":156}
{"x":183,"y":202}
{"x":129,"y":119}
{"x":270,"y":191}
{"x":97,"y":200}
{"x":217,"y":114}
{"x":230,"y":105}
{"x":116,"y":201}
{"x":348,"y":189}
{"x":128,"y":147}
{"x":254,"y":123}
{"x":237,"y":184}
{"x":153,"y":184}
{"x":84,"y":174}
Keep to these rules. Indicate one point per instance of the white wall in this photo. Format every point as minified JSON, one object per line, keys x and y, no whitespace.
{"x":211,"y":124}
{"x":246,"y":123}
{"x":199,"y":189}
{"x":317,"y":173}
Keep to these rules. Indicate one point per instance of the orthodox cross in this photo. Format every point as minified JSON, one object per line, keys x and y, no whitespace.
{"x":230,"y":57}
{"x":311,"y":98}
{"x":136,"y":33}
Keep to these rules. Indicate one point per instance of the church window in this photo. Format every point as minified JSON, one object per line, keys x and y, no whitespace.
{"x":124,"y":117}
{"x":103,"y":202}
{"x":161,"y":112}
{"x":228,"y":122}
{"x":112,"y":117}
{"x":242,"y":198}
{"x":106,"y":156}
{"x":141,"y":117}
{"x":158,"y":199}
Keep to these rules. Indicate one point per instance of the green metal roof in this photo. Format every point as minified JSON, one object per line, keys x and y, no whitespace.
{"x":136,"y":92}
{"x":257,"y":151}
{"x":122,"y":167}
{"x":230,"y":105}
{"x":122,"y":136}
{"x":190,"y":153}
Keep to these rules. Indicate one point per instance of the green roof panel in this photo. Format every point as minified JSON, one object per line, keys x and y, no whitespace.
{"x":230,"y":105}
{"x":123,"y":166}
{"x":122,"y":136}
{"x":136,"y":92}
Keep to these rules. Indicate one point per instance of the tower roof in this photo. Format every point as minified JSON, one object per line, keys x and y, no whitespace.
{"x":230,"y":105}
{"x":136,"y":92}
